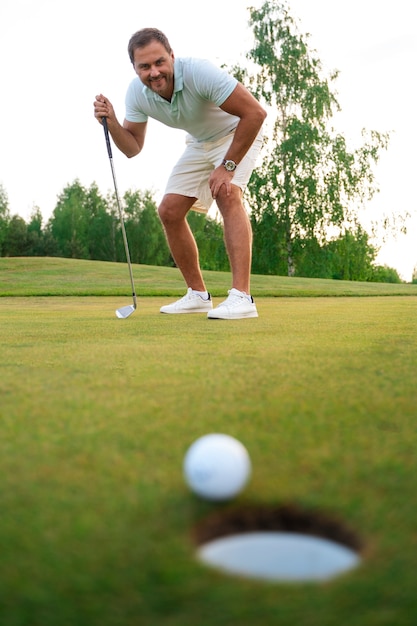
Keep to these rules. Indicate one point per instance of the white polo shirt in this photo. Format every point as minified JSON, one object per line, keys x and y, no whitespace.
{"x":199,"y":90}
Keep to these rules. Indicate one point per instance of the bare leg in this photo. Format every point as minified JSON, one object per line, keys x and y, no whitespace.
{"x":238,"y":237}
{"x":172,"y":212}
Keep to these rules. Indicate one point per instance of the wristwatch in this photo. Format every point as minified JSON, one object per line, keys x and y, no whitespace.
{"x":229,"y":165}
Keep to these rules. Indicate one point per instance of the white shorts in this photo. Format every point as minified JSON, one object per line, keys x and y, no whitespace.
{"x":191,"y":174}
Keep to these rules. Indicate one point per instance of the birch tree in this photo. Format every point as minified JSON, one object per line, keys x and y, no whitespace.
{"x":309,"y":182}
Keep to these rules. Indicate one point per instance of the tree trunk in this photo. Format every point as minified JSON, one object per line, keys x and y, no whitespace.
{"x":290,"y":257}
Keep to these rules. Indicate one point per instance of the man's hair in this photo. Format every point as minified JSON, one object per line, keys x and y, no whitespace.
{"x":143,"y":37}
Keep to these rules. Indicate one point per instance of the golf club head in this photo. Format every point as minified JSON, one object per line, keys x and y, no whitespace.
{"x":125,"y":311}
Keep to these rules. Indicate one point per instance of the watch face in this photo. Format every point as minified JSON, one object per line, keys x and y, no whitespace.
{"x":230,"y":166}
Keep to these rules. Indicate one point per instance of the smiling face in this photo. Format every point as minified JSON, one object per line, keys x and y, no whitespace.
{"x":155,"y":67}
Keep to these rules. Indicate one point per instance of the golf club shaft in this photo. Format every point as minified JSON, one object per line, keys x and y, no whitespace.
{"x":109,"y":151}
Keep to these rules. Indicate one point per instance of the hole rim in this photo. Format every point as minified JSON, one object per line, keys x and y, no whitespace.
{"x":234,"y":520}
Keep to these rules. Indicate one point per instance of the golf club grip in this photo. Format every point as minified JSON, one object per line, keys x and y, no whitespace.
{"x":106,"y":134}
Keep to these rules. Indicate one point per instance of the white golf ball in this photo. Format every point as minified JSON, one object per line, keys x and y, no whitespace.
{"x":217,"y":467}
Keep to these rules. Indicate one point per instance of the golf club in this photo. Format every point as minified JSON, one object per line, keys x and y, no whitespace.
{"x":127,"y":310}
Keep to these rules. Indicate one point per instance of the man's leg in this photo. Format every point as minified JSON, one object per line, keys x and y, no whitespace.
{"x":238,"y":237}
{"x":172,"y":212}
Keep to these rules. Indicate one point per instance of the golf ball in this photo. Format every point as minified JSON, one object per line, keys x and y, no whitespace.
{"x":217,"y":467}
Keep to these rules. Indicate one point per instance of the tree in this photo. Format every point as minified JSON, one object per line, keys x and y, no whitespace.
{"x":35,"y":234}
{"x":351,"y":256}
{"x":16,"y":242}
{"x":147,"y":243}
{"x":309,"y":182}
{"x":69,"y":222}
{"x":4,"y":217}
{"x":100,"y":226}
{"x":86,"y":225}
{"x":385,"y":274}
{"x":153,"y":248}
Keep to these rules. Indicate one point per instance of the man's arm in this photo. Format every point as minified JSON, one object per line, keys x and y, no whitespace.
{"x":130,"y":137}
{"x":242,"y":104}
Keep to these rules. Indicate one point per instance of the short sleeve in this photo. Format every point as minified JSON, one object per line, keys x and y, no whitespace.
{"x":213,"y":83}
{"x":133,"y":112}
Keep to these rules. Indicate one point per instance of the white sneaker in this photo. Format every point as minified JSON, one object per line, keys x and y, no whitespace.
{"x":236,"y":306}
{"x":190,"y":303}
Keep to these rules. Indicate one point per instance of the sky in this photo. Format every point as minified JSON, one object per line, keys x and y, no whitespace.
{"x":57,"y":55}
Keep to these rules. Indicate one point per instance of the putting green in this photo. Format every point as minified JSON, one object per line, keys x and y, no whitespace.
{"x":96,"y":416}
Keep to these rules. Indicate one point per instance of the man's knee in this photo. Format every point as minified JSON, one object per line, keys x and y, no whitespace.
{"x":166,"y":211}
{"x":174,"y":208}
{"x":231,"y":203}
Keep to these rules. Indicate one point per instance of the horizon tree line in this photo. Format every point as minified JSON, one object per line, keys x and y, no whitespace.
{"x":86,"y":225}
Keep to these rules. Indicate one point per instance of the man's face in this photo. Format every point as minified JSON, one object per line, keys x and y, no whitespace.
{"x":155,"y":68}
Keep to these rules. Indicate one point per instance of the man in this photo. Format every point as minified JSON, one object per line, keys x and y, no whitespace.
{"x":224,"y":122}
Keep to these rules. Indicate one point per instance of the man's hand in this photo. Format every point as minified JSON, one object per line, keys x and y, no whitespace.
{"x":220,"y":177}
{"x":103,"y":108}
{"x":130,"y":137}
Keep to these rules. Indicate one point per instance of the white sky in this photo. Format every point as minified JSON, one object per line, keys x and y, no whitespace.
{"x":57,"y":55}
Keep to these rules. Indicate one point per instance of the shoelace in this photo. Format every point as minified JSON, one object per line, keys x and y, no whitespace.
{"x":233,"y":300}
{"x":188,"y":296}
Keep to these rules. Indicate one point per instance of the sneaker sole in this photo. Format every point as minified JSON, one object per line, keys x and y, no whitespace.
{"x":181,"y":312}
{"x":241,"y":316}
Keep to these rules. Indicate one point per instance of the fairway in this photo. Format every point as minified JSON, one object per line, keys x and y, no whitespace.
{"x":96,"y":416}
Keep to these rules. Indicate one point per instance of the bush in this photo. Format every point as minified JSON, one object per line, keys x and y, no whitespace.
{"x":384,"y":274}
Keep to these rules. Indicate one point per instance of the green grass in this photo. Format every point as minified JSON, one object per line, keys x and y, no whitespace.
{"x":69,"y":277}
{"x":96,"y":415}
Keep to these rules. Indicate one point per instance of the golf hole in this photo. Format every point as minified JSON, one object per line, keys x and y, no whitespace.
{"x":283,"y":544}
